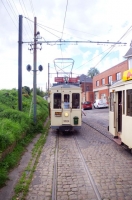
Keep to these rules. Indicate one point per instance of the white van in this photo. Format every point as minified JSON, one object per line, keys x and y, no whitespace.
{"x":100,"y":103}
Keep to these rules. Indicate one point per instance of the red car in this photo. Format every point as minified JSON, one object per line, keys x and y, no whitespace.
{"x":87,"y":105}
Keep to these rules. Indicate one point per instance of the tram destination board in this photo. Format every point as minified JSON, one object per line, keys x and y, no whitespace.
{"x":58,"y":114}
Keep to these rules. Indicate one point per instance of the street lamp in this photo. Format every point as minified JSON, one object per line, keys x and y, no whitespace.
{"x":29,"y":68}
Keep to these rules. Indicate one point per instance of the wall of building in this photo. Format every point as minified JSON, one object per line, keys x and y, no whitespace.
{"x":121,"y":67}
{"x":102,"y":91}
{"x":89,"y":96}
{"x":87,"y":85}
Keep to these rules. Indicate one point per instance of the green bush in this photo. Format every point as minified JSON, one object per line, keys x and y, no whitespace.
{"x":14,"y":123}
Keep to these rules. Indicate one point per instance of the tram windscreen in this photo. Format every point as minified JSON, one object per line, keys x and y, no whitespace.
{"x":57,"y":100}
{"x":76,"y":100}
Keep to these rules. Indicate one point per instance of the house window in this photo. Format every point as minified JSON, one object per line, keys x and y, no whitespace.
{"x":118,"y":76}
{"x":103,"y":81}
{"x":110,"y":79}
{"x":129,"y":102}
{"x":97,"y":83}
{"x":87,"y":88}
{"x":130,"y":63}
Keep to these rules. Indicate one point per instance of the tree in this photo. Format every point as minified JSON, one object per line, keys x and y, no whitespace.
{"x":26,"y":90}
{"x":92,"y":72}
{"x":39,"y":92}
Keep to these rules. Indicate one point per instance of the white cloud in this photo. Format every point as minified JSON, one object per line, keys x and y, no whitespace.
{"x":97,"y":20}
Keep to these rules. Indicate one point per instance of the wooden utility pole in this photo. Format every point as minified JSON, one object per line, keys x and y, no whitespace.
{"x":48,"y":87}
{"x":20,"y":63}
{"x":34,"y":70}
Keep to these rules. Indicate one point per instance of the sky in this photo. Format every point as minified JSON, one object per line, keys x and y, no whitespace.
{"x":62,"y":20}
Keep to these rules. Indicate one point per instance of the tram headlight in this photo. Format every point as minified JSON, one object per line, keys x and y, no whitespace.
{"x":66,"y":114}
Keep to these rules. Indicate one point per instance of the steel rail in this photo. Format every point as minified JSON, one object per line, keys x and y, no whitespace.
{"x":88,"y":171}
{"x":54,"y":184}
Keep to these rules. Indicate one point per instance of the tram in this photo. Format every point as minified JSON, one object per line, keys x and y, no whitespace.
{"x":120,"y":110}
{"x":65,"y":104}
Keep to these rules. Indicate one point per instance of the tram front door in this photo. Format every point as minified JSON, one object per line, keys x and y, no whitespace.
{"x":67,"y":111}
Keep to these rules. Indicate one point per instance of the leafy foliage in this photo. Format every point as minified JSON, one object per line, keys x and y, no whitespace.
{"x":14,"y":123}
{"x":39,"y":92}
{"x":93,"y":72}
{"x":17,"y":127}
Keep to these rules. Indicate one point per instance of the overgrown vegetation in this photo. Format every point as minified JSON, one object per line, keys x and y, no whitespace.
{"x":22,"y":187}
{"x":17,"y":127}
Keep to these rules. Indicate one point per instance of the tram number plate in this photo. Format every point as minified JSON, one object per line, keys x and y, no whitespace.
{"x":58,"y":114}
{"x":66,"y":120}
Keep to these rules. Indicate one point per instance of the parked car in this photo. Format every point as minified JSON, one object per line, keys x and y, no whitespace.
{"x":100,"y":103}
{"x":87,"y":105}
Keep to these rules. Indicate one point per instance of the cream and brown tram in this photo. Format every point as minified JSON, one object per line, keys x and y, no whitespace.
{"x":120,"y":111}
{"x":65,"y":106}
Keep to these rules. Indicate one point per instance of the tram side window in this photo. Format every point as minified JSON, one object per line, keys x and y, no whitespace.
{"x":57,"y":100}
{"x":75,"y":100}
{"x":129,"y":102}
{"x":111,"y":101}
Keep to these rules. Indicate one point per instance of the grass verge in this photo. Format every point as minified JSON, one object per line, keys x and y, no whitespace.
{"x":22,"y":187}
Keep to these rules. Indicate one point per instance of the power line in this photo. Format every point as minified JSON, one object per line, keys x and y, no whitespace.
{"x":31,"y":3}
{"x":64,"y":19}
{"x":11,"y":7}
{"x":25,"y":14}
{"x":63,"y":27}
{"x":111,"y":48}
{"x":114,"y":46}
{"x":9,"y":14}
{"x":93,"y":58}
{"x":15,"y":6}
{"x":63,"y":32}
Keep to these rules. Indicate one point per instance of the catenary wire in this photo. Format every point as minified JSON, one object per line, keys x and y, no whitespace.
{"x":64,"y":19}
{"x":25,"y":14}
{"x":17,"y":15}
{"x":15,"y":7}
{"x":9,"y":15}
{"x":63,"y":29}
{"x":93,"y":58}
{"x":11,"y":8}
{"x":113,"y":46}
{"x":32,"y":7}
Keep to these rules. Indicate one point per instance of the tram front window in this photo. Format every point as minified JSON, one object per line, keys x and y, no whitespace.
{"x":75,"y":100}
{"x":57,"y":100}
{"x":66,"y":101}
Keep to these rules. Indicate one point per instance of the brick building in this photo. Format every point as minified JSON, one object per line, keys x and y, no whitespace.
{"x":102,"y":81}
{"x":87,"y":88}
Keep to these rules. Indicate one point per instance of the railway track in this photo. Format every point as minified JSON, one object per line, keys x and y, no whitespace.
{"x":75,"y":141}
{"x":88,"y":171}
{"x":54,"y":185}
{"x":85,"y":167}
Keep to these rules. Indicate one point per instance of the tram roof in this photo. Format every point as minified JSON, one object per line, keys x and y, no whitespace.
{"x":120,"y":83}
{"x":64,"y":85}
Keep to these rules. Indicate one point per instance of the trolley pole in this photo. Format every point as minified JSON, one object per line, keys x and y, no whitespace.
{"x":34,"y":69}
